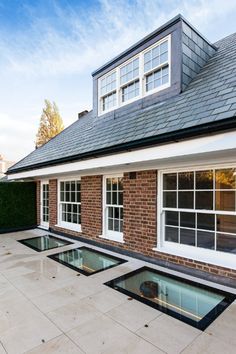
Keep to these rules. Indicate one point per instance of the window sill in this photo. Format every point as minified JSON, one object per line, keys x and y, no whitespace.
{"x":69,"y":226}
{"x":216,"y":258}
{"x":113,"y":238}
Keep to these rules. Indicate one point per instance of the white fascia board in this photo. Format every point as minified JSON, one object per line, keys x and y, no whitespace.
{"x":184,"y":149}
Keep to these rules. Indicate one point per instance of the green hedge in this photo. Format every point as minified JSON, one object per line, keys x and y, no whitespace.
{"x":17,"y":205}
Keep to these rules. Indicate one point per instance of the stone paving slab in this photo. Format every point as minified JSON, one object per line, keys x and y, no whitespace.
{"x":48,"y":308}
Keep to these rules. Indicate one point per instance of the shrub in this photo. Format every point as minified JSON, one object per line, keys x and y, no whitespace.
{"x":17,"y":205}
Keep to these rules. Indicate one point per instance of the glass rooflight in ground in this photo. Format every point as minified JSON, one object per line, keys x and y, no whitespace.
{"x":87,"y":260}
{"x":193,"y":303}
{"x":44,"y":243}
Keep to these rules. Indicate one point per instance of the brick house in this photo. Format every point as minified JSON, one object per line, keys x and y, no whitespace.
{"x":151,"y":170}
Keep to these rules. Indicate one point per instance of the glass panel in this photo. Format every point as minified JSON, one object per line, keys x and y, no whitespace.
{"x":187,"y":220}
{"x":185,"y":180}
{"x":172,"y":218}
{"x":62,"y":196}
{"x":226,"y":243}
{"x":121,"y":225}
{"x":226,"y":223}
{"x":186,"y":200}
{"x":204,"y":179}
{"x":171,"y":234}
{"x":120,"y":183}
{"x":170,"y":294}
{"x":110,"y":224}
{"x":116,"y":225}
{"x":204,"y":200}
{"x":114,"y":184}
{"x":170,"y":181}
{"x":46,"y":242}
{"x":169,"y":199}
{"x":108,"y":184}
{"x":206,"y":239}
{"x":225,"y":200}
{"x":87,"y":260}
{"x":110,"y":212}
{"x":206,"y":221}
{"x":108,"y":197}
{"x":120,"y":195}
{"x":62,"y":186}
{"x":130,"y":91}
{"x":109,"y":101}
{"x":187,"y":237}
{"x":225,"y":179}
{"x":114,"y":198}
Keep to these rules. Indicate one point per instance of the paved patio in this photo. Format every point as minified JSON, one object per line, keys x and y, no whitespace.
{"x":46,"y":307}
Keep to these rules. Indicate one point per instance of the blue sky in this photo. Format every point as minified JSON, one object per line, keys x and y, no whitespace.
{"x":50,"y":47}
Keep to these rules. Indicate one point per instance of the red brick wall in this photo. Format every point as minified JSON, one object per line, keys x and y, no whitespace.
{"x":91,"y":205}
{"x":52,"y":202}
{"x":140,"y":218}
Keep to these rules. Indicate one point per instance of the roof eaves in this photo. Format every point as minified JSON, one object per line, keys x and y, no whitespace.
{"x":209,"y":128}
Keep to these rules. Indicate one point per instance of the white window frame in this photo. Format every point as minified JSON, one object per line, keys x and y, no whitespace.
{"x":141,"y":78}
{"x":108,"y":234}
{"x":215,"y":257}
{"x":60,"y":222}
{"x":43,"y":224}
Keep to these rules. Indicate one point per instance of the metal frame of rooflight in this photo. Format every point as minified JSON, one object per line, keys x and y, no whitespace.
{"x":203,"y":323}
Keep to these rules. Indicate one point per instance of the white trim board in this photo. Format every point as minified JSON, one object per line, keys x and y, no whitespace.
{"x":219,"y":146}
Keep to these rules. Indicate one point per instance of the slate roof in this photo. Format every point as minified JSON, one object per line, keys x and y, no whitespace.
{"x":209,"y":98}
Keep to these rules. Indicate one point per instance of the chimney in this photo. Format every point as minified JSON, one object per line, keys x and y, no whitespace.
{"x":82,"y":114}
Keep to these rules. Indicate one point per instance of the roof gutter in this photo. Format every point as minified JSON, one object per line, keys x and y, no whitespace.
{"x":205,"y":129}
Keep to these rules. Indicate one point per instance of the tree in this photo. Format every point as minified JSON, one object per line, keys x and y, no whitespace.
{"x":50,"y":125}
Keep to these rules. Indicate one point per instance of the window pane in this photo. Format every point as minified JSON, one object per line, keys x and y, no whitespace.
{"x":120,"y":183}
{"x":172,"y":218}
{"x":114,"y":198}
{"x":114,"y":184}
{"x":62,"y":186}
{"x":62,"y":196}
{"x":204,"y":179}
{"x":130,"y":71}
{"x":226,"y":223}
{"x":187,"y":237}
{"x":169,"y":199}
{"x":108,"y":83}
{"x":225,"y":179}
{"x":121,"y":225}
{"x":67,"y":199}
{"x":226,"y":243}
{"x":185,"y":180}
{"x":170,"y":181}
{"x":171,"y":234}
{"x":187,"y":220}
{"x":206,"y":221}
{"x":120,"y":196}
{"x":108,"y":197}
{"x":110,"y":212}
{"x":130,"y":91}
{"x":73,"y":186}
{"x":110,"y":224}
{"x":204,"y":200}
{"x":108,"y":184}
{"x":206,"y":239}
{"x":67,"y":185}
{"x":116,"y":225}
{"x":116,"y":213}
{"x":73,"y":197}
{"x":225,"y":200}
{"x":185,"y":200}
{"x":109,"y":101}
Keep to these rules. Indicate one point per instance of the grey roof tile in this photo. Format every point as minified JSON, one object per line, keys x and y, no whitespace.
{"x":211,"y":96}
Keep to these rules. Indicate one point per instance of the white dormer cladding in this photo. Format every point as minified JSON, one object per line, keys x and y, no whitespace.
{"x":144,"y":74}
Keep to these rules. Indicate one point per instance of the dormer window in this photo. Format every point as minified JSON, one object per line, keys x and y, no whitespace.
{"x":144,"y":74}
